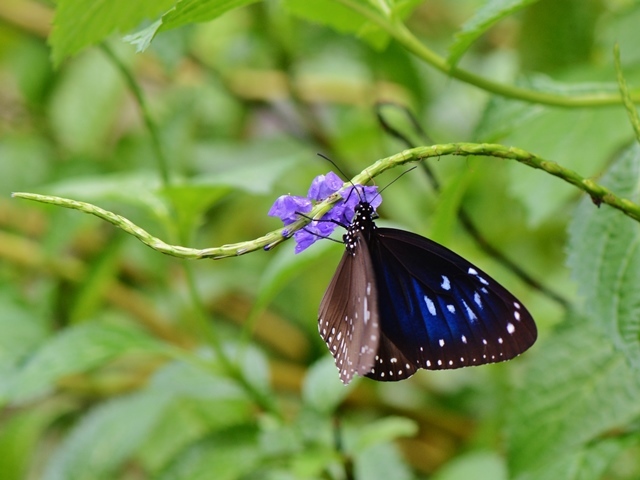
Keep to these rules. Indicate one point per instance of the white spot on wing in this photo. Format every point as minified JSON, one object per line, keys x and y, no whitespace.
{"x":430,"y":305}
{"x":470,"y":314}
{"x":510,"y":328}
{"x":476,"y":298}
{"x":441,"y":342}
{"x":446,"y":284}
{"x":451,"y":308}
{"x":367,"y":313}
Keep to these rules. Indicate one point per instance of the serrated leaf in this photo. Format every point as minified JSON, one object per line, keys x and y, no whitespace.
{"x":80,"y":23}
{"x":588,"y":463}
{"x":340,"y":18}
{"x":184,"y":12}
{"x":106,"y":437}
{"x":604,"y":257}
{"x":487,"y":15}
{"x":74,"y":350}
{"x":579,"y":388}
{"x":193,"y":11}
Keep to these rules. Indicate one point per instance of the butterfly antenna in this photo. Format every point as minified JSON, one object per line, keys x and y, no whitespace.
{"x":392,"y":182}
{"x":343,"y":176}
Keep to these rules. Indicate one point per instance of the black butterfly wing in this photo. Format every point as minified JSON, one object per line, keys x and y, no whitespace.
{"x":438,"y":311}
{"x":348,"y":315}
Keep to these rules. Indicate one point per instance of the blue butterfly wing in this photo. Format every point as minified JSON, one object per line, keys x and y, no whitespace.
{"x":439,"y":311}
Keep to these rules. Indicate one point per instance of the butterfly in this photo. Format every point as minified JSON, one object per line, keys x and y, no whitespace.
{"x":399,"y":302}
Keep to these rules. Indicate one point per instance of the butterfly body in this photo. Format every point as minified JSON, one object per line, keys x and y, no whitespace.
{"x":399,"y":302}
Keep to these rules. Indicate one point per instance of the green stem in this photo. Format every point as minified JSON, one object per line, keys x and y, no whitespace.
{"x":163,"y":163}
{"x":624,"y":91}
{"x":403,"y":35}
{"x":598,"y":193}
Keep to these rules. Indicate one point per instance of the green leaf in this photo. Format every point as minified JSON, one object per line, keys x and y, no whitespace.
{"x":20,"y":435}
{"x":138,"y":189}
{"x":588,"y":463}
{"x":85,"y":104}
{"x":322,"y":388}
{"x":340,"y":18}
{"x":487,"y":15}
{"x":251,"y":166}
{"x":604,"y":257}
{"x":469,"y":464}
{"x":193,"y":11}
{"x":20,"y":330}
{"x":80,"y":23}
{"x":106,"y":437}
{"x":383,"y":431}
{"x":226,"y":455}
{"x":192,"y":202}
{"x":204,"y":402}
{"x":381,"y":462}
{"x":579,"y":388}
{"x":74,"y":350}
{"x":99,"y":277}
{"x":183,"y":13}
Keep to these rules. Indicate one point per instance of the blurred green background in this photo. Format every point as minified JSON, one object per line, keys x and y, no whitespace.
{"x":119,"y":362}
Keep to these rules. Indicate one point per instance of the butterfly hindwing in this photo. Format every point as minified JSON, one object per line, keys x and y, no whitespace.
{"x":438,"y":311}
{"x":348,"y":316}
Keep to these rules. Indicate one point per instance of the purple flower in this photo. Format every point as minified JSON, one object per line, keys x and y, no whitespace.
{"x":287,"y":207}
{"x":324,"y":185}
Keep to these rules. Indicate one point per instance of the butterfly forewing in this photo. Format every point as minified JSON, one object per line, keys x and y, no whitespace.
{"x":438,"y":311}
{"x":348,"y":317}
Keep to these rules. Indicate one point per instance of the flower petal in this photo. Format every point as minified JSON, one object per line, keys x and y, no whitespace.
{"x":324,"y":185}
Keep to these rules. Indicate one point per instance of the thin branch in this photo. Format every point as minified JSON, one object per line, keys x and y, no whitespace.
{"x":598,"y":194}
{"x":405,"y":37}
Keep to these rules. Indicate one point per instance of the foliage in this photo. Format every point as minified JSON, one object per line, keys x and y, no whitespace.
{"x":119,"y":362}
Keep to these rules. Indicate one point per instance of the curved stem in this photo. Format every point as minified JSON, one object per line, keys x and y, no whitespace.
{"x":598,"y":194}
{"x":403,"y":35}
